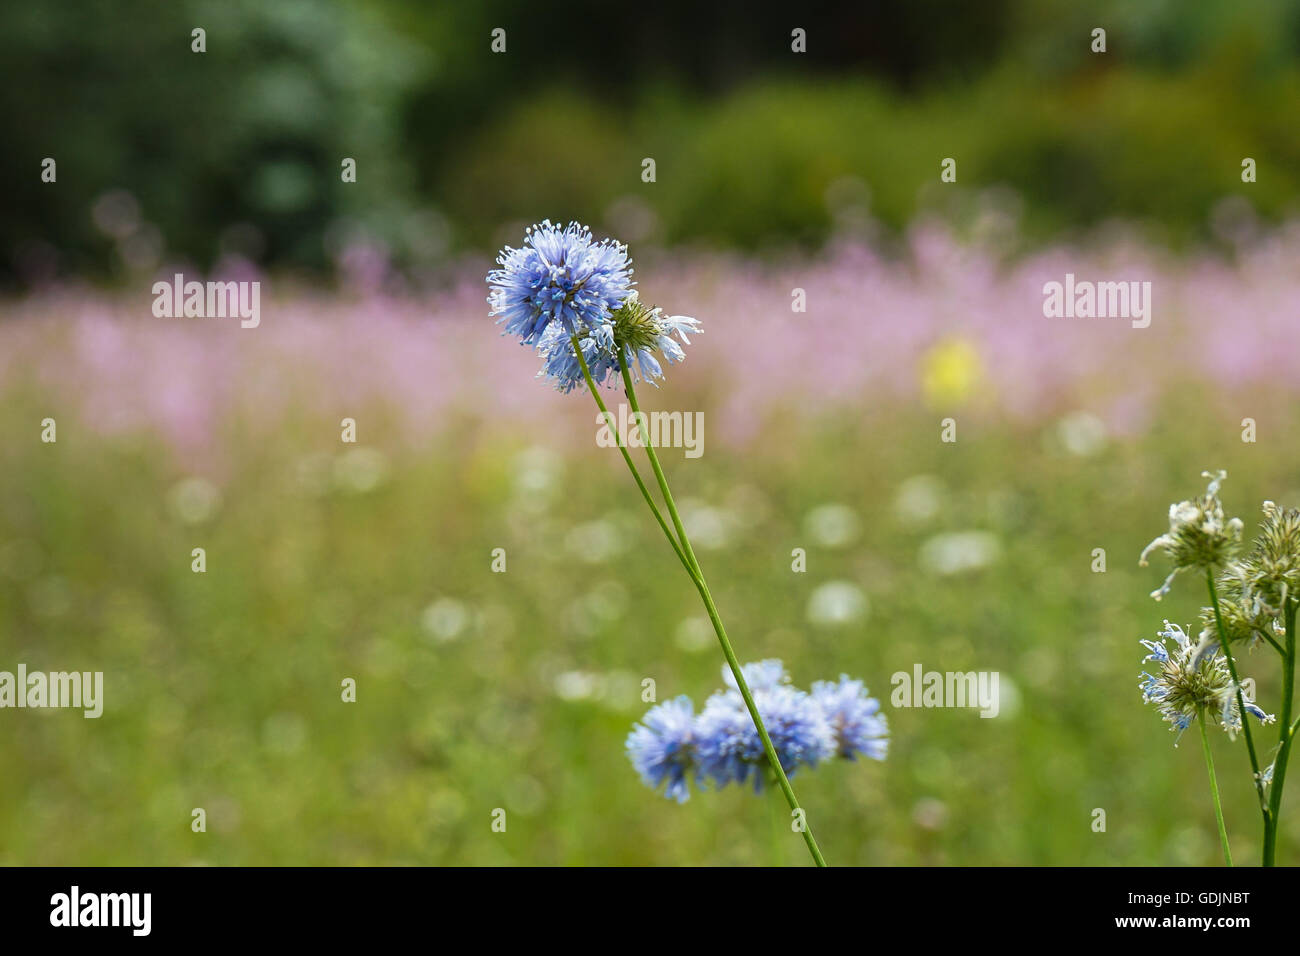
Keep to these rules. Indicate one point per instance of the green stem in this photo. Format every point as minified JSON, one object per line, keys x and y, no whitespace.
{"x":1285,"y":733}
{"x":716,"y":619}
{"x":1264,"y":810}
{"x":1214,"y":790}
{"x":645,"y":493}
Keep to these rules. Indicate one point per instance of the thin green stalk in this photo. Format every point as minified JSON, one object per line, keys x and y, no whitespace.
{"x":716,"y":619}
{"x":1214,"y":790}
{"x":1258,"y":779}
{"x":1285,"y":734}
{"x":645,"y":493}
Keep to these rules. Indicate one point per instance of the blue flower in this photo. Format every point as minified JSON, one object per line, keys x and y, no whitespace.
{"x":560,"y":277}
{"x":1193,"y":680}
{"x":760,"y":675}
{"x":721,"y":745}
{"x":662,"y":747}
{"x":855,"y":719}
{"x":635,"y":336}
{"x":560,"y":362}
{"x":729,"y":748}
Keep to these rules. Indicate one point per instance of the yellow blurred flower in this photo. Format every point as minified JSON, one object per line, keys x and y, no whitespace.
{"x":951,"y":372}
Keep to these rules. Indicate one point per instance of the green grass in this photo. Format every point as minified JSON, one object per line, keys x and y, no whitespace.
{"x":223,"y":688}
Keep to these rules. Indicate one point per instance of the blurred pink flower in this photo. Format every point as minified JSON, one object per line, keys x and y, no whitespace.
{"x":434,"y":360}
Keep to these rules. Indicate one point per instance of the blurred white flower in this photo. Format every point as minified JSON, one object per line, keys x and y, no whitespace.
{"x":595,"y":541}
{"x":617,"y":689}
{"x":1008,"y":702}
{"x":360,"y":469}
{"x":1082,"y":433}
{"x":919,"y":499}
{"x":576,"y":685}
{"x":708,"y":528}
{"x":695,"y":634}
{"x":194,"y":500}
{"x":537,"y":472}
{"x":445,"y":619}
{"x":832,"y":525}
{"x":959,"y":551}
{"x":930,"y":814}
{"x":835,"y":603}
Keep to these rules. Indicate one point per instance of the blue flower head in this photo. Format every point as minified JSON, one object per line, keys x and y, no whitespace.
{"x":760,"y":675}
{"x":636,"y":335}
{"x":560,"y":277}
{"x":728,"y":745}
{"x":721,"y":745}
{"x":1193,"y":680}
{"x":855,"y":719}
{"x":662,"y":747}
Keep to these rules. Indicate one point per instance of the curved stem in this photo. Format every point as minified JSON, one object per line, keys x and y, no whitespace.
{"x":727,"y":651}
{"x":1285,"y":733}
{"x":1258,"y":778}
{"x":645,"y":493}
{"x":1214,"y":790}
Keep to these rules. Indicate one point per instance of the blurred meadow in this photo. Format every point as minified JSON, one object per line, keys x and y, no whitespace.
{"x":775,"y":172}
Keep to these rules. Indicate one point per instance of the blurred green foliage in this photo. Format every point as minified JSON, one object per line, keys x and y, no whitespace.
{"x":478,"y":690}
{"x":238,"y":150}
